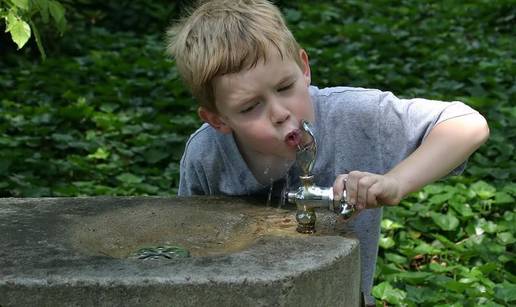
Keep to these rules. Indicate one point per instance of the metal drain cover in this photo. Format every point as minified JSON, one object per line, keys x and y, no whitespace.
{"x":159,"y":252}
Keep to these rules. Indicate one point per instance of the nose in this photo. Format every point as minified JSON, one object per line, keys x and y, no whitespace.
{"x":279,"y":113}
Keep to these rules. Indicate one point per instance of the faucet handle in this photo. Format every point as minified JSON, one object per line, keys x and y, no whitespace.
{"x":343,"y":208}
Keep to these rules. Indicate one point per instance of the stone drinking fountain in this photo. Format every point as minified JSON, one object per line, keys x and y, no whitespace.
{"x":149,"y":251}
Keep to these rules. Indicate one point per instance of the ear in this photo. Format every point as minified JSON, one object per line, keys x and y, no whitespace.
{"x":306,"y":66}
{"x":215,"y":120}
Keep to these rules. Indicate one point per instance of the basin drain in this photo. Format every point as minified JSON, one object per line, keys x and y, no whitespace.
{"x":158,"y":252}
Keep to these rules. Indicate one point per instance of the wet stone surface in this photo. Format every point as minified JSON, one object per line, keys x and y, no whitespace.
{"x":148,"y":251}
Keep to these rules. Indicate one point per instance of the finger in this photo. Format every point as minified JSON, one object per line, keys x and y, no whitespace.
{"x":372,"y":195}
{"x":339,"y":185}
{"x":364,"y":184}
{"x":352,"y":186}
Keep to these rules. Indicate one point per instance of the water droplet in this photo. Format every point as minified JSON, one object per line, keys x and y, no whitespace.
{"x":270,"y":194}
{"x":283,"y":196}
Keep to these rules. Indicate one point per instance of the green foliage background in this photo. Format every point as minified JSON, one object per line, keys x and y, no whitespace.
{"x":106,"y":114}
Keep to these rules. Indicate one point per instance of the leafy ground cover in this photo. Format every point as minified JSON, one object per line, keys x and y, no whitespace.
{"x":105,"y":114}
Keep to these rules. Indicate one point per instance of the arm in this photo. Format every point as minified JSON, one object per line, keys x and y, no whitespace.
{"x":447,"y":145}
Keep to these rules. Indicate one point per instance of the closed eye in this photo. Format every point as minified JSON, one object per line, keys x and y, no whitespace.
{"x":250,"y":108}
{"x":281,"y":89}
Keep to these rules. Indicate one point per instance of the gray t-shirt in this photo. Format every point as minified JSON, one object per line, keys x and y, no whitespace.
{"x":355,"y":128}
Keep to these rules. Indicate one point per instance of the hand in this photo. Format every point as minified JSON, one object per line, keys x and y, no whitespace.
{"x":367,"y":190}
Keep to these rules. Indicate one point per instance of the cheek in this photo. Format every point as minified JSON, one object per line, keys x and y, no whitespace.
{"x":254,"y":131}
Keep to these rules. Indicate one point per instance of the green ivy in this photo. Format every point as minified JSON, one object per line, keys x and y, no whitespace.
{"x":454,"y":240}
{"x":108,"y":121}
{"x":106,"y":114}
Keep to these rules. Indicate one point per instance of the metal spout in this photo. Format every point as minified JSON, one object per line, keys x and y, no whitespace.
{"x":307,"y":151}
{"x":312,"y":197}
{"x":309,"y":196}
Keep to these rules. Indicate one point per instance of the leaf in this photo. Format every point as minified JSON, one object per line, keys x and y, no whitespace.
{"x":390,"y":225}
{"x":57,"y":12}
{"x":129,"y":178}
{"x":487,"y":226}
{"x":22,"y":4}
{"x":385,"y":292}
{"x":413,"y":277}
{"x":506,"y":292}
{"x":76,"y":111}
{"x":433,"y":189}
{"x":435,"y":267}
{"x":419,"y":294}
{"x":449,"y":244}
{"x":505,"y":238}
{"x":503,"y":198}
{"x":396,"y":258}
{"x":446,"y":221}
{"x":483,"y":189}
{"x":440,"y":198}
{"x":425,"y":248}
{"x":42,"y":7}
{"x":386,"y":242}
{"x":456,"y":286}
{"x":510,"y":188}
{"x":154,"y":155}
{"x":100,"y":154}
{"x":19,"y":29}
{"x":464,"y":209}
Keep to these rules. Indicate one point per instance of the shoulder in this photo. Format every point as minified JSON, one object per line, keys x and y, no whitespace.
{"x":347,"y":101}
{"x":204,"y":135}
{"x":210,"y":150}
{"x":200,"y":161}
{"x":343,"y":96}
{"x":347,"y":94}
{"x":212,"y":165}
{"x":201,"y":146}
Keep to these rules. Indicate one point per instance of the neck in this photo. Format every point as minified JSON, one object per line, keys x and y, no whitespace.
{"x":265,"y":168}
{"x":269,"y":170}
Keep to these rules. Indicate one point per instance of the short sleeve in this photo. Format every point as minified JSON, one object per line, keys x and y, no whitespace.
{"x":192,"y":178}
{"x":404,"y":123}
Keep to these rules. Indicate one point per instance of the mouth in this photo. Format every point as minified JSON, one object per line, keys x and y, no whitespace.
{"x":298,"y":139}
{"x":293,"y":139}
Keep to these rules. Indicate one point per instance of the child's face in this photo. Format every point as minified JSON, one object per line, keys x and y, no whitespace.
{"x":262,"y":106}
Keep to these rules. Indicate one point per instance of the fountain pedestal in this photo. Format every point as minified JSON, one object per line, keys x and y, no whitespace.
{"x":80,"y":251}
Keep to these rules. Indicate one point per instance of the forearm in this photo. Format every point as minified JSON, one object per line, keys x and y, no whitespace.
{"x":447,"y":145}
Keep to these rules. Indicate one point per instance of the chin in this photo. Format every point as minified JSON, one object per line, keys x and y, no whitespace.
{"x":291,"y":155}
{"x":286,"y":153}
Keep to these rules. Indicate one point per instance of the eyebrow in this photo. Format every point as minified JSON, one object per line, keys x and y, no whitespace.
{"x":289,"y":77}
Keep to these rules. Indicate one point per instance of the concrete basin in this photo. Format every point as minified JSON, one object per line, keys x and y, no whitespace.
{"x":225,"y":252}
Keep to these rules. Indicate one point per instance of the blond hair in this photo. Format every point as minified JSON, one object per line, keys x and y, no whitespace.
{"x":227,"y":36}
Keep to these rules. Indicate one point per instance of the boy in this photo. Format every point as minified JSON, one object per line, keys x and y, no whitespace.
{"x":252,"y":81}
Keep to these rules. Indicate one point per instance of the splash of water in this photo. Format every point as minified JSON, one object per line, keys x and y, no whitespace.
{"x":269,"y":197}
{"x":266,"y":172}
{"x":283,"y":195}
{"x":286,"y":188}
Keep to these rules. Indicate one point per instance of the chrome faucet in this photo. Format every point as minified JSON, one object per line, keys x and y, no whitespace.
{"x":309,"y":196}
